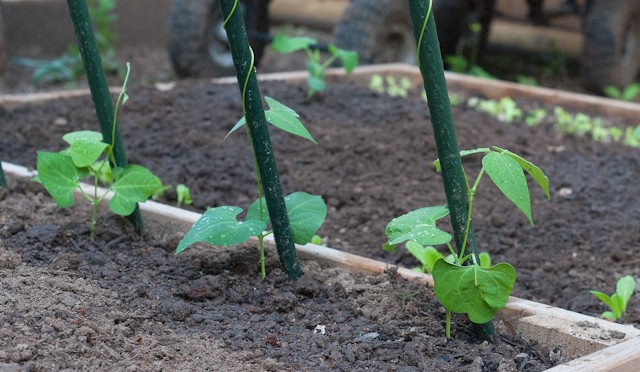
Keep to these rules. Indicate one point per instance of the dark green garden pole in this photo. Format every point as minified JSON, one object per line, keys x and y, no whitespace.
{"x":3,"y":181}
{"x":455,"y":184}
{"x":99,"y":88}
{"x":259,"y":135}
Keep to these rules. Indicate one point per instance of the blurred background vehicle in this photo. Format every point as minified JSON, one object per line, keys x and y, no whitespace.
{"x":381,"y":32}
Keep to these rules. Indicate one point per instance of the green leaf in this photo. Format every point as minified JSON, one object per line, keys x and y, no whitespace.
{"x":620,"y":305}
{"x":219,"y":226}
{"x":238,"y":125}
{"x":427,"y":256}
{"x":472,"y":290}
{"x":485,"y":260}
{"x":136,"y":184}
{"x":306,"y":214}
{"x":625,"y":287}
{"x":59,"y":176}
{"x":84,"y":135}
{"x":463,"y":153}
{"x":85,"y":152}
{"x":609,"y":315}
{"x":507,"y":174}
{"x":419,"y":226}
{"x":286,"y":119}
{"x":631,"y":92}
{"x":604,"y":298}
{"x":286,"y":44}
{"x":538,"y":175}
{"x":316,"y":84}
{"x":612,"y":91}
{"x":348,"y":58}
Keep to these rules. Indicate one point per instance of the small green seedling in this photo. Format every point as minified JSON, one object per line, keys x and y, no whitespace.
{"x":465,"y":283}
{"x":88,"y":156}
{"x":219,"y":226}
{"x":184,"y":195}
{"x":617,"y":302}
{"x":629,"y":93}
{"x":505,"y":109}
{"x":315,"y":67}
{"x":389,"y":85}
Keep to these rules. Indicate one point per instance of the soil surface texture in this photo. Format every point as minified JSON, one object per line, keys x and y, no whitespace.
{"x":120,"y":301}
{"x":373,"y":162}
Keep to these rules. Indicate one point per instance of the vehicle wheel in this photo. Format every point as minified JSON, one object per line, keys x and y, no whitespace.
{"x":611,"y":51}
{"x":198,"y":45}
{"x":379,"y":31}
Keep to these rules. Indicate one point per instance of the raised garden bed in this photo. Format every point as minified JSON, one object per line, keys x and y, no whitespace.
{"x":363,"y":168}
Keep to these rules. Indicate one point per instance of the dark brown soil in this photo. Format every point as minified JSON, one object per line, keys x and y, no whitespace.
{"x":119,"y":301}
{"x":373,"y":163}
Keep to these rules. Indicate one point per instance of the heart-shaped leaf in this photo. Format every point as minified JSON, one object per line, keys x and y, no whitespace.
{"x":472,"y":290}
{"x":59,"y":176}
{"x":507,"y":174}
{"x":419,"y":226}
{"x":219,"y":226}
{"x":134,"y":185}
{"x":85,"y":152}
{"x":348,"y":58}
{"x":85,"y":135}
{"x":427,"y":256}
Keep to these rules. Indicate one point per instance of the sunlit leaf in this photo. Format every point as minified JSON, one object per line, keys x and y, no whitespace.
{"x":538,"y":175}
{"x":285,"y":44}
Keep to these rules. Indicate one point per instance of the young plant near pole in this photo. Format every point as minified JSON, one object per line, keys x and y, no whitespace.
{"x":100,"y":95}
{"x":465,"y":285}
{"x":294,"y":219}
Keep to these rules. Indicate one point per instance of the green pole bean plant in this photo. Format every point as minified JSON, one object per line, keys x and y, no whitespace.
{"x":617,"y":302}
{"x":88,"y":156}
{"x":184,"y":195}
{"x":463,"y":286}
{"x":295,"y":218}
{"x":316,"y":68}
{"x":463,"y":283}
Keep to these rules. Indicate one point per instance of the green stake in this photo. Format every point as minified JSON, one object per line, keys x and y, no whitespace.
{"x":430,"y":64}
{"x":3,"y":181}
{"x":99,"y":89}
{"x":243,"y":60}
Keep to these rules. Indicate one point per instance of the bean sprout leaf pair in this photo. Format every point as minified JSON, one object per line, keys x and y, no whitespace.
{"x":281,"y":116}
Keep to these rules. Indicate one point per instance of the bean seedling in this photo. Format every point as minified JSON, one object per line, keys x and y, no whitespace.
{"x":315,"y":66}
{"x":617,"y":302}
{"x":184,"y":195}
{"x":219,"y":226}
{"x":629,"y":93}
{"x":466,"y":284}
{"x":88,"y":156}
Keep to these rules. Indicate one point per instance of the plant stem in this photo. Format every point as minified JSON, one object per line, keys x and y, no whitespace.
{"x":447,"y":325}
{"x":256,"y":122}
{"x":99,"y":90}
{"x":263,"y":269}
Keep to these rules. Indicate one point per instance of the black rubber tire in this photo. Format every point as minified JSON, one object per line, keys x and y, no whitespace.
{"x":611,"y":51}
{"x":379,"y":31}
{"x":197,"y":42}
